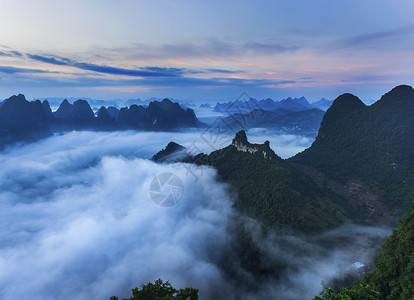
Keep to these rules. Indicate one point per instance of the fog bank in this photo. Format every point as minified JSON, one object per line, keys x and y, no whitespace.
{"x":77,"y":221}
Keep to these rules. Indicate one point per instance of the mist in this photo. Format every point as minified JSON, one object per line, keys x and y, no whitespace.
{"x":78,"y":221}
{"x":284,"y":145}
{"x":303,"y":265}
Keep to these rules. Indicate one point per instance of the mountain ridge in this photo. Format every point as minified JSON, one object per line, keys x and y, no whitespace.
{"x":24,"y":120}
{"x":294,"y":104}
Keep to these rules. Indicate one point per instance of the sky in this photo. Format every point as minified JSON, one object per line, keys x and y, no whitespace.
{"x":205,"y":50}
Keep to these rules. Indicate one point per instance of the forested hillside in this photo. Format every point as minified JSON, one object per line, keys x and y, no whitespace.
{"x":275,"y":193}
{"x":373,"y":144}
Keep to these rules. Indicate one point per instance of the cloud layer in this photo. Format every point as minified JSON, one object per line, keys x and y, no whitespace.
{"x":77,"y":222}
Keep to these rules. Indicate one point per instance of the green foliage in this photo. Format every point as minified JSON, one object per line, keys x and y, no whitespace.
{"x":160,"y":290}
{"x":273,"y":192}
{"x":394,"y":272}
{"x":393,"y":276}
{"x":357,"y":292}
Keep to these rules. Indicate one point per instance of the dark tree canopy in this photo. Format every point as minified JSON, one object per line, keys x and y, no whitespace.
{"x":160,"y":290}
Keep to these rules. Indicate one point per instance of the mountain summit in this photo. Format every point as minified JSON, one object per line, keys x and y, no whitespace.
{"x":400,"y":96}
{"x":242,"y":144}
{"x":172,"y":153}
{"x":345,"y":104}
{"x":22,"y":120}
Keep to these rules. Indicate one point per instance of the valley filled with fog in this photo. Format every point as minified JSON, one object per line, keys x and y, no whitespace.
{"x":77,"y":222}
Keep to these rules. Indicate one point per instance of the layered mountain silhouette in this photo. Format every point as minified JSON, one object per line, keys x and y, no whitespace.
{"x":77,"y":115}
{"x":268,"y":104}
{"x":288,"y":116}
{"x":302,"y":122}
{"x":360,"y":168}
{"x":24,"y":120}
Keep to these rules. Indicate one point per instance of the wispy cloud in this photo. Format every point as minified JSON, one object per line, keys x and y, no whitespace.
{"x":140,"y":72}
{"x":5,"y":53}
{"x":60,"y":61}
{"x":10,"y":53}
{"x":148,"y":71}
{"x":24,"y":78}
{"x":148,"y":76}
{"x":268,"y":48}
{"x":365,"y":39}
{"x":224,"y":71}
{"x":14,"y":70}
{"x":16,"y":53}
{"x":203,"y":49}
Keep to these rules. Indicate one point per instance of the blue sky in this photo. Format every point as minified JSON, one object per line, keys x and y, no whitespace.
{"x":205,"y":50}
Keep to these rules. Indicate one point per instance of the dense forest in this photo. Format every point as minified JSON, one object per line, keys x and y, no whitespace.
{"x":274,"y":192}
{"x":370,"y":144}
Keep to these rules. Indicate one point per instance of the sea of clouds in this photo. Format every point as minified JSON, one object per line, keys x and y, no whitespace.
{"x":77,"y":221}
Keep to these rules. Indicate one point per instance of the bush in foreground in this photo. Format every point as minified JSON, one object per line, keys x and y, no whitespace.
{"x":160,"y":290}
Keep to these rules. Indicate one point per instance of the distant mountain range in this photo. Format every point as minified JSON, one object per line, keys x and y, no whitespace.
{"x":322,"y":104}
{"x":235,"y":106}
{"x":291,"y":116}
{"x":54,"y":102}
{"x":95,"y":104}
{"x":297,"y":122}
{"x":293,"y":104}
{"x":288,"y":116}
{"x":24,"y":120}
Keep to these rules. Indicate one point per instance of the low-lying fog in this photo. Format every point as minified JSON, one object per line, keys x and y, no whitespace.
{"x":77,"y":221}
